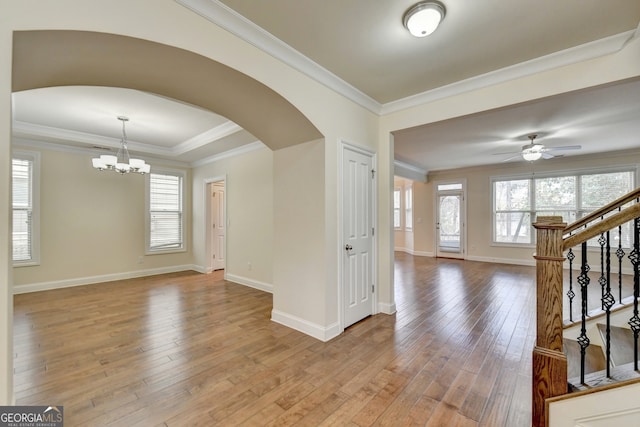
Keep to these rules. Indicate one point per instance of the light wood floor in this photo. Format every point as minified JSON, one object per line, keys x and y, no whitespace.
{"x":191,"y":349}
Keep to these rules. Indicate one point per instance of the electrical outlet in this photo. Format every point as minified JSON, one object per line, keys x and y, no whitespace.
{"x":140,"y":260}
{"x":249,"y":265}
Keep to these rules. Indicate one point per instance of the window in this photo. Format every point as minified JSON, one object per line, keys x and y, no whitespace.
{"x":396,"y":208}
{"x":165,"y":212}
{"x":408,"y":208}
{"x":25,"y":169}
{"x":516,"y":202}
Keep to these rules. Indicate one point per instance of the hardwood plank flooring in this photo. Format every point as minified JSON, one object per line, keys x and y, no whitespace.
{"x":190,"y":349}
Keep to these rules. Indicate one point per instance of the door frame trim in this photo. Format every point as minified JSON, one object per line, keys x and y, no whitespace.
{"x":208,"y":250}
{"x":347,"y":145}
{"x":463,"y":247}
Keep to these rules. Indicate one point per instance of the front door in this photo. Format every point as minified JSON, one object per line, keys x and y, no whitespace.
{"x":358,"y":235}
{"x":450,"y":220}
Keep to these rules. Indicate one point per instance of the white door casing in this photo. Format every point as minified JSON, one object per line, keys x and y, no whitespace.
{"x":359,"y":261}
{"x":218,"y":229}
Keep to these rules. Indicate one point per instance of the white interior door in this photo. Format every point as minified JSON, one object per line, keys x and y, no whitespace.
{"x":218,"y":229}
{"x":358,"y":245}
{"x":450,"y":220}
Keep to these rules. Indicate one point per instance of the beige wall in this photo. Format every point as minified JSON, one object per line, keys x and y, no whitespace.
{"x":249,"y":206}
{"x":92,"y":226}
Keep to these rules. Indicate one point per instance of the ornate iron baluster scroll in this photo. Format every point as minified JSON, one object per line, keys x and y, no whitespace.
{"x":583,"y":281}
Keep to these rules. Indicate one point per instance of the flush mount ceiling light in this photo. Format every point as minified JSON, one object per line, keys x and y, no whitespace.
{"x":121,"y":162}
{"x":423,"y":18}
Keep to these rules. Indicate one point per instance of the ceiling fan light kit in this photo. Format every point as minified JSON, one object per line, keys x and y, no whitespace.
{"x":424,"y":17}
{"x":121,"y":162}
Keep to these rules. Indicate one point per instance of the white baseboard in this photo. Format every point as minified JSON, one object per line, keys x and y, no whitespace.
{"x":309,"y":328}
{"x":261,"y":286}
{"x":513,"y":261}
{"x":414,"y":253}
{"x":386,"y":308}
{"x":80,"y":281}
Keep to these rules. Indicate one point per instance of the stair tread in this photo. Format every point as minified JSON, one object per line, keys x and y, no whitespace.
{"x":594,"y":360}
{"x":598,"y":379}
{"x":621,"y":344}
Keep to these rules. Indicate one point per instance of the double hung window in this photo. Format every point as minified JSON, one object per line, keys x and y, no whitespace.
{"x":165,"y":205}
{"x":25,"y":168}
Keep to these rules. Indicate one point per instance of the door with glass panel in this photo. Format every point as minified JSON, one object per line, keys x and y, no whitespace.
{"x":450,"y":220}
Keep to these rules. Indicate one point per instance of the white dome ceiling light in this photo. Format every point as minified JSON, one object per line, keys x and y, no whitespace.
{"x":423,"y":18}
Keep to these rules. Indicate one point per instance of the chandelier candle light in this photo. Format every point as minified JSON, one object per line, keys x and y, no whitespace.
{"x":121,"y":162}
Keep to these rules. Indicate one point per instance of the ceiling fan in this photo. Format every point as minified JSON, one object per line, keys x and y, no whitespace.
{"x":534,"y":150}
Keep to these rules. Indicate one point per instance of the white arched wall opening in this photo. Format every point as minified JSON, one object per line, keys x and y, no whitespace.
{"x":63,"y":57}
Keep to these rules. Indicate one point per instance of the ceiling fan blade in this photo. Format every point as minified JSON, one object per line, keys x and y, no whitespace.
{"x":505,"y":153}
{"x":511,"y":157}
{"x":547,"y":156}
{"x":566,"y":147}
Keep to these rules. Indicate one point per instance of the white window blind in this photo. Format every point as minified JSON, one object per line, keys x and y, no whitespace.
{"x":408,"y":208}
{"x":22,"y":209}
{"x":165,"y":211}
{"x":25,"y":193}
{"x":396,"y":208}
{"x":517,"y":202}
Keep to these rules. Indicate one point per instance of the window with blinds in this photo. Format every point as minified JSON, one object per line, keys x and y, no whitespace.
{"x":165,"y":207}
{"x":24,"y":204}
{"x":518,"y":201}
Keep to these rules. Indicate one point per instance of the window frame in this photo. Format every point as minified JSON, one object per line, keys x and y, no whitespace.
{"x":579,"y":209}
{"x":408,"y":207}
{"x":183,"y":244}
{"x":34,"y":158}
{"x":398,"y":209}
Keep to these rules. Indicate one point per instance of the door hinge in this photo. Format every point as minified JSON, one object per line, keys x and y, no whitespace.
{"x":373,"y":288}
{"x":373,"y":173}
{"x":373,"y":231}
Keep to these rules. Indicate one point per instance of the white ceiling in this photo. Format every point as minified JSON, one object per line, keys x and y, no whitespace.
{"x":361,"y":49}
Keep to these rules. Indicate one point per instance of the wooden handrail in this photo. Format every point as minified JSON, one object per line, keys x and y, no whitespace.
{"x":604,"y":210}
{"x":607,"y":224}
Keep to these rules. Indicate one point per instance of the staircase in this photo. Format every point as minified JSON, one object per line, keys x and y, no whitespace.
{"x":594,"y":351}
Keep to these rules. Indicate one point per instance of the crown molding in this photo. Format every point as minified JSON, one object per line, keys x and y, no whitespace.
{"x":573,"y":55}
{"x":51,"y":134}
{"x":228,"y":19}
{"x":247,"y":148}
{"x":22,"y":142}
{"x":406,"y":170}
{"x":211,"y":135}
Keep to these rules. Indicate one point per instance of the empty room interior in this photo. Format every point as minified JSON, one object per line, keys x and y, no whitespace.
{"x":226,"y":212}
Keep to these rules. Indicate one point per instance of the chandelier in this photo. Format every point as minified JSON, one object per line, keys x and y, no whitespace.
{"x":121,"y":162}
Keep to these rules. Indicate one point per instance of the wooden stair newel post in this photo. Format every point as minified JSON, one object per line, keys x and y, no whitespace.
{"x":549,"y":360}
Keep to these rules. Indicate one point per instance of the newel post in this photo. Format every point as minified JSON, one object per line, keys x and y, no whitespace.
{"x":549,"y":360}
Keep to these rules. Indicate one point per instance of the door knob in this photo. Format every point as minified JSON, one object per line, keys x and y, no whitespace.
{"x":348,"y":247}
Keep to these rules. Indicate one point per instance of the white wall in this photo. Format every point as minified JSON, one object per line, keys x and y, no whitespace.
{"x":249,"y":206}
{"x":299,"y":225}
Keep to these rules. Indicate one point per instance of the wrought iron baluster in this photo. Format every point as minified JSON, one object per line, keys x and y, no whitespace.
{"x":583,"y":280}
{"x":634,"y":322}
{"x":620,"y":254}
{"x":608,"y":300}
{"x":602,"y":280}
{"x":570,"y":294}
